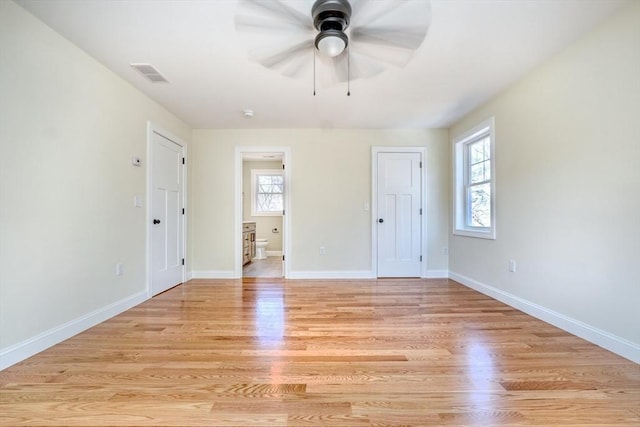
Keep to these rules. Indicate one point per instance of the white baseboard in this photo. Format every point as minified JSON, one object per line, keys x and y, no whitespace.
{"x":436,"y":274}
{"x":273,"y":253}
{"x":213,"y":274}
{"x":613,"y":343}
{"x":25,"y":349}
{"x":188,"y":276}
{"x":358,"y":274}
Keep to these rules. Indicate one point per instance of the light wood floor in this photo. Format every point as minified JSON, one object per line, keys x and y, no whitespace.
{"x":334,"y":353}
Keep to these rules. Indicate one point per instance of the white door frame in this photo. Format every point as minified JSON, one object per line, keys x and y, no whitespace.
{"x":374,"y":204}
{"x":151,"y":129}
{"x":286,"y":220}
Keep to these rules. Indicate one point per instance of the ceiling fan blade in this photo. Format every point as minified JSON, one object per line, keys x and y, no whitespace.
{"x":363,"y":67}
{"x":330,"y":70}
{"x":367,"y":12}
{"x":271,"y":13}
{"x":248,"y":23}
{"x":404,"y":38}
{"x":299,"y":65}
{"x":389,"y":32}
{"x":280,"y":58}
{"x":342,"y":68}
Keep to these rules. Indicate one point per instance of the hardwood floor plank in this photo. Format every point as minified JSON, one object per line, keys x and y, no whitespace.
{"x":318,"y":352}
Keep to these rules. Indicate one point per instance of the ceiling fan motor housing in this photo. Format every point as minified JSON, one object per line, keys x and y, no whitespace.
{"x":331,"y":14}
{"x":331,"y":18}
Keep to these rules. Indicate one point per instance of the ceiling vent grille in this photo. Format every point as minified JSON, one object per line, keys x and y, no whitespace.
{"x":150,"y":72}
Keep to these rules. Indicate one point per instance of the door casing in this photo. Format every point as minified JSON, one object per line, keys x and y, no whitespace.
{"x":286,"y":220}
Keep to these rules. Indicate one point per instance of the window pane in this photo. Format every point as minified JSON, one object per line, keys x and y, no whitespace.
{"x":269,"y":202}
{"x":480,"y":172}
{"x":269,"y":188}
{"x":270,"y":184}
{"x":479,"y":151}
{"x":480,"y":205}
{"x":477,"y":173}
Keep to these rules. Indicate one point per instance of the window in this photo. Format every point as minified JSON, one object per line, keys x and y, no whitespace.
{"x":267,"y":192}
{"x":474,"y":168}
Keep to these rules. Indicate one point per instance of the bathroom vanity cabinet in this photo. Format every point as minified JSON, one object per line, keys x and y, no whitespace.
{"x":248,"y":242}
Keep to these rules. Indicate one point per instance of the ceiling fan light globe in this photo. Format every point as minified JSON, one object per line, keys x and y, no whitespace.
{"x":331,"y":46}
{"x":331,"y":42}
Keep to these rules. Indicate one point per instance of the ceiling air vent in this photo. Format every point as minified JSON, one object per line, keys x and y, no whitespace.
{"x":150,"y":72}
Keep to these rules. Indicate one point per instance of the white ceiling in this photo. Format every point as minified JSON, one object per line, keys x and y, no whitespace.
{"x":473,"y":50}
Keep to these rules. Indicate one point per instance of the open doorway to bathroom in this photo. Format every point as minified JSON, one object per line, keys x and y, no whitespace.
{"x":262,"y":211}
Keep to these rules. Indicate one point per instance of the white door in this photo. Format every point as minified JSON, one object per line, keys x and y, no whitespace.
{"x":166,"y":214}
{"x":398,"y":211}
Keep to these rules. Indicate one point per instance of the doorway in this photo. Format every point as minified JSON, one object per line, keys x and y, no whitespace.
{"x":165,"y":212}
{"x":398,"y":220}
{"x":262,"y":189}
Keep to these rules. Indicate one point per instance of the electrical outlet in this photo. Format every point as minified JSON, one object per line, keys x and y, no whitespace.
{"x":119,"y":269}
{"x":322,"y":251}
{"x":512,"y":265}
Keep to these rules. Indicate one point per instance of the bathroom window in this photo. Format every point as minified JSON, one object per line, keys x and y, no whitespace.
{"x":267,"y":188}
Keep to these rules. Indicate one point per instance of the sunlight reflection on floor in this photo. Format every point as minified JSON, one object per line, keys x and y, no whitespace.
{"x":269,"y":316}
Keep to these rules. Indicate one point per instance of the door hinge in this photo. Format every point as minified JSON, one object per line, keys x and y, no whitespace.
{"x":182,"y":261}
{"x":282,"y":212}
{"x":283,"y":166}
{"x":182,"y":211}
{"x":420,"y":257}
{"x":420,"y":211}
{"x":420,"y":165}
{"x":183,"y":160}
{"x":283,"y":257}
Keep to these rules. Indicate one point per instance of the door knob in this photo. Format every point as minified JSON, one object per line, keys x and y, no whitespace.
{"x":156,"y":221}
{"x":381,"y":220}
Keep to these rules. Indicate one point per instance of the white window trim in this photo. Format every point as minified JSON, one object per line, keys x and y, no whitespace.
{"x":254,"y":173}
{"x":460,"y":207}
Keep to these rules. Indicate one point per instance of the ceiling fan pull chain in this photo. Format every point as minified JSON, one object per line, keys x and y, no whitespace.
{"x":314,"y":71}
{"x":348,"y":71}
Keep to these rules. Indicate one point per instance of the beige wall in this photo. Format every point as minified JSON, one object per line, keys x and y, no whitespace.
{"x":264,"y":224}
{"x":330,"y":182}
{"x":568,"y":185}
{"x":68,"y":130}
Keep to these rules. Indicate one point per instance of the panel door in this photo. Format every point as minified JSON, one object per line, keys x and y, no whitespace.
{"x":399,"y":205}
{"x":166,"y":214}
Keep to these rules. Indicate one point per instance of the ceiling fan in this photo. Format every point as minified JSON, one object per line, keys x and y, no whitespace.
{"x":350,"y":39}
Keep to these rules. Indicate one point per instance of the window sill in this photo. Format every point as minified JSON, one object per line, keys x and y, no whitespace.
{"x":266,"y":213}
{"x":489,"y":235}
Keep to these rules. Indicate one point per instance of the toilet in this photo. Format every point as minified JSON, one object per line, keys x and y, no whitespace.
{"x":261,"y":248}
